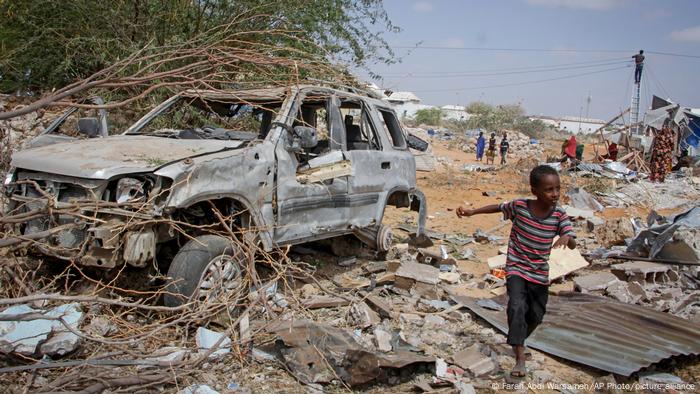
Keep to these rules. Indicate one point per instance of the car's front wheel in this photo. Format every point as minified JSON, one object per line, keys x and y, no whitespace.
{"x":207,"y":268}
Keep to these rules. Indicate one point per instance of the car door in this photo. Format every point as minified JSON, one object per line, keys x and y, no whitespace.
{"x":308,"y":205}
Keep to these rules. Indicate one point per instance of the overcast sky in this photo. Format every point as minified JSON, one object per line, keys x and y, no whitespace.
{"x":570,"y":29}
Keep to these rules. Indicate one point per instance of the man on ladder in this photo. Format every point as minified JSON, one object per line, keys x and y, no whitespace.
{"x":639,"y":63}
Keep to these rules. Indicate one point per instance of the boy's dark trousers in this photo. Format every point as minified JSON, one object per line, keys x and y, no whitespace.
{"x":527,"y":303}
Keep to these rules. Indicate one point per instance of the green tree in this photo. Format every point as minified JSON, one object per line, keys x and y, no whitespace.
{"x":479,"y":108}
{"x":430,"y":116}
{"x":46,"y":43}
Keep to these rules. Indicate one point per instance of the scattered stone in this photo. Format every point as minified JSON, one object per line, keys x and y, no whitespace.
{"x":49,"y":337}
{"x":542,"y":377}
{"x":347,"y":262}
{"x":637,"y":291}
{"x":489,"y":194}
{"x":615,"y":232}
{"x":309,"y":290}
{"x":207,"y":339}
{"x":433,"y":321}
{"x":363,"y":316}
{"x":474,"y":361}
{"x":198,"y":389}
{"x":436,"y":304}
{"x":465,"y":388}
{"x":450,"y":277}
{"x":322,"y":301}
{"x":410,"y":318}
{"x":594,"y":223}
{"x":440,"y":368}
{"x":101,"y":326}
{"x":383,"y":340}
{"x":620,"y":291}
{"x":594,"y":282}
{"x":418,"y":272}
{"x":168,"y":355}
{"x":467,"y":254}
{"x":641,"y":272}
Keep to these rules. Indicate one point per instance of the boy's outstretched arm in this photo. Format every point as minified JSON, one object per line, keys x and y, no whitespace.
{"x":565,"y":240}
{"x":464,"y":211}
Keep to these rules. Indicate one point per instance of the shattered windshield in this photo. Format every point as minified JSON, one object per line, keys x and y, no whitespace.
{"x":199,"y":118}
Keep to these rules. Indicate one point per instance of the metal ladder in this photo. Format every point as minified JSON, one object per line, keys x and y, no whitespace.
{"x":634,"y":108}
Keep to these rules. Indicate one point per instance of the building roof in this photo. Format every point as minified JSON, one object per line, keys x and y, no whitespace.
{"x":404,"y":96}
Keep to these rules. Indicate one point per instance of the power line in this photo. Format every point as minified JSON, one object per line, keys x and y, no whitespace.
{"x":509,"y":68}
{"x":545,"y":50}
{"x":522,"y":83}
{"x":475,"y":74}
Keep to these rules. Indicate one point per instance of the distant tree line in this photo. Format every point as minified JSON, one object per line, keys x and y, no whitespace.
{"x":485,"y":116}
{"x":45,"y":44}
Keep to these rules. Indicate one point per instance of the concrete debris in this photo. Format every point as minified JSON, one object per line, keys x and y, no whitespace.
{"x":642,"y":272}
{"x":168,"y":355}
{"x":36,"y":336}
{"x":347,"y":262}
{"x":472,"y":360}
{"x":440,"y":368}
{"x":615,"y":232}
{"x":677,"y":239}
{"x":579,"y":198}
{"x":316,"y":353}
{"x":418,"y":272}
{"x":577,"y":213}
{"x":206,"y":340}
{"x":596,"y":282}
{"x":660,"y":379}
{"x":411,"y":318}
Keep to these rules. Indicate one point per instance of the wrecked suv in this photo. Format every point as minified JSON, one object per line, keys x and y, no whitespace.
{"x":277,"y":166}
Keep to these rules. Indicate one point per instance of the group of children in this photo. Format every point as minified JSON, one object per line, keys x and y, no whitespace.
{"x":536,"y":224}
{"x":491,"y":152}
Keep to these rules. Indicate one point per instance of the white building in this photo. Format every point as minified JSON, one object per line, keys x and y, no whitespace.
{"x":576,"y":125}
{"x":406,"y":104}
{"x":455,"y":112}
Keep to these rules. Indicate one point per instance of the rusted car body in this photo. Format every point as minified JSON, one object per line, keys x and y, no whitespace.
{"x":295,"y":164}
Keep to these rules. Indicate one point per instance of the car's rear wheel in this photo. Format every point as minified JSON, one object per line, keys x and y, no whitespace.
{"x":208,"y":268}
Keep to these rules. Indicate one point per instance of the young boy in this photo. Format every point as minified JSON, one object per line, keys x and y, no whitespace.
{"x":535,"y":224}
{"x":504,"y":148}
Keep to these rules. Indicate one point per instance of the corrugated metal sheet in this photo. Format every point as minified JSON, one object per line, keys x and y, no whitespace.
{"x":605,"y":334}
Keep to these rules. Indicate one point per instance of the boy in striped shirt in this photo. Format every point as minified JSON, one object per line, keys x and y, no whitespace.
{"x":535,"y":225}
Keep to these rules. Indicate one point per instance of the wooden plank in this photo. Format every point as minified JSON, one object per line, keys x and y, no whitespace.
{"x":322,"y":301}
{"x":320,"y":174}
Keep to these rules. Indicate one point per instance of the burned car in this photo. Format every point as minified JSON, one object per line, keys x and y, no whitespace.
{"x":278,"y":166}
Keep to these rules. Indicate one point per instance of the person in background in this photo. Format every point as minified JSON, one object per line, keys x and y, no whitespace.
{"x":480,"y":146}
{"x":491,"y":152}
{"x":612,"y":152}
{"x":638,"y":65}
{"x":535,"y":225}
{"x":568,"y":150}
{"x":504,"y":148}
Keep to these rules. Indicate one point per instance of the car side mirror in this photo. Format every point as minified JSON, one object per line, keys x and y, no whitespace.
{"x":307,"y":136}
{"x":89,"y":127}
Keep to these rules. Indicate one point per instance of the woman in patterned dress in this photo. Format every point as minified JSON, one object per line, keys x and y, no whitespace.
{"x":661,"y":154}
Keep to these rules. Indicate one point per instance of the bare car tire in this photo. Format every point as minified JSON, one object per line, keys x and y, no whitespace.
{"x":204,"y":266}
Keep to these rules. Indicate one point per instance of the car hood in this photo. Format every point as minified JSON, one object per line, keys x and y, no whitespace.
{"x":103,"y":158}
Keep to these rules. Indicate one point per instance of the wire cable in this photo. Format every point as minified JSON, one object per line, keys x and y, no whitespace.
{"x":472,"y":74}
{"x":522,"y":83}
{"x":545,"y":50}
{"x":507,"y":69}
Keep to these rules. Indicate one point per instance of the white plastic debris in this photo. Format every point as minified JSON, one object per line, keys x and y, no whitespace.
{"x":207,"y":339}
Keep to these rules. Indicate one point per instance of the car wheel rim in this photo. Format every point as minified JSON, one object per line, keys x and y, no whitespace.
{"x":221,"y":278}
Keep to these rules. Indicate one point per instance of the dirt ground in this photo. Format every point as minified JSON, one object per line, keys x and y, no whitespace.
{"x":449,"y":187}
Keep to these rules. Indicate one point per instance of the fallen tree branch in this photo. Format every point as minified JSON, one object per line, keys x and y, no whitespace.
{"x":5,"y":242}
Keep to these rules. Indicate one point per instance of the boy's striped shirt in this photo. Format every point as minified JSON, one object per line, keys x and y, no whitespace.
{"x":531,"y":239}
